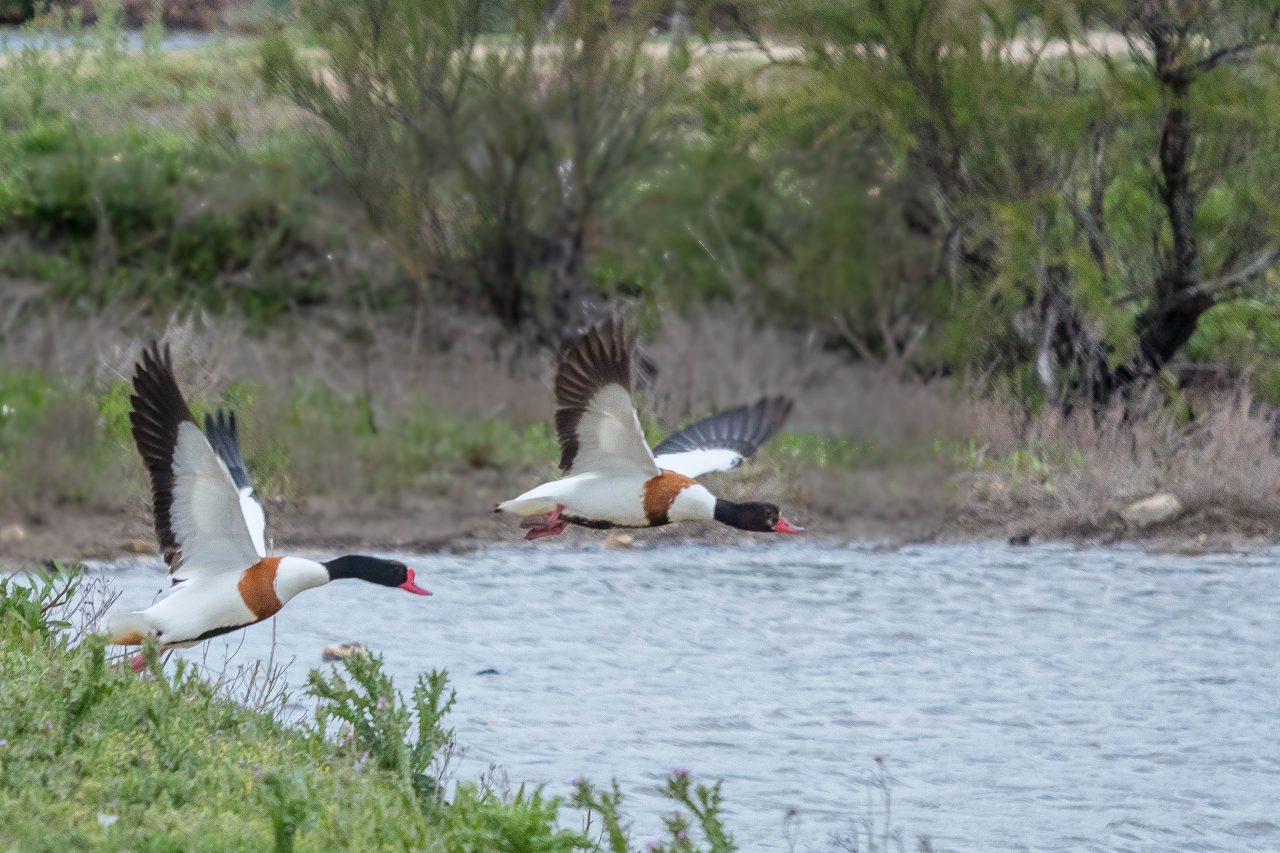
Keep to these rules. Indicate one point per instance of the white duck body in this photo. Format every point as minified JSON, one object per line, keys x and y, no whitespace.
{"x":212,"y":603}
{"x":617,"y":499}
{"x":613,"y":478}
{"x":211,"y":525}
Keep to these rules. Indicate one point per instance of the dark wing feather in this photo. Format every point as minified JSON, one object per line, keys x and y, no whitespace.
{"x":224,"y":438}
{"x":742,"y":429}
{"x":158,"y":410}
{"x":599,"y":358}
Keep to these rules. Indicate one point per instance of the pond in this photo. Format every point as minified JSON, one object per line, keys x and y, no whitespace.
{"x":1021,"y":698}
{"x":16,"y":38}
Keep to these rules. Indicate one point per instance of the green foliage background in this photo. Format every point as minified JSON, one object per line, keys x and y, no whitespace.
{"x":917,"y":181}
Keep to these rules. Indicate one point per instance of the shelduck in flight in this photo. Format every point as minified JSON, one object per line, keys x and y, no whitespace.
{"x":212,"y":527}
{"x":613,"y":479}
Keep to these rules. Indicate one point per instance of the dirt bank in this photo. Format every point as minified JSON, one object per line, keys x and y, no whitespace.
{"x":443,"y":524}
{"x":425,"y":525}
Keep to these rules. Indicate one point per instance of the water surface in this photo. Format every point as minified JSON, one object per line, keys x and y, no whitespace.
{"x":19,"y":38}
{"x":1023,"y":699}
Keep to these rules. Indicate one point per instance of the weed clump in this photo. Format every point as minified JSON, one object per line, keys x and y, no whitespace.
{"x":95,"y":757}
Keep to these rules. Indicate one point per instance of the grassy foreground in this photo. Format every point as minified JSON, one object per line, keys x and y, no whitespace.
{"x":94,"y":757}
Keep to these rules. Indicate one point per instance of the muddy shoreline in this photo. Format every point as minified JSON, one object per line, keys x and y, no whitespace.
{"x":442,"y":525}
{"x":319,"y":526}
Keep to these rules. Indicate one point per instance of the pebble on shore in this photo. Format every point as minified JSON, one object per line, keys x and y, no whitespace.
{"x":342,"y":651}
{"x":1157,"y":509}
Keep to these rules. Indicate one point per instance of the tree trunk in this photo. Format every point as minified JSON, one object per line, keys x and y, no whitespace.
{"x":1170,"y":321}
{"x":567,"y":287}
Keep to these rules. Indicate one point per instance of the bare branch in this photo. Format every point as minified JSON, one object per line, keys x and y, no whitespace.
{"x":1084,"y":218}
{"x":1240,"y":277}
{"x":854,"y":340}
{"x":1222,"y":54}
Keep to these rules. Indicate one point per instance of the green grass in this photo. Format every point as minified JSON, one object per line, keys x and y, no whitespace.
{"x":800,"y":450}
{"x":1039,"y":464}
{"x":95,"y":757}
{"x":61,"y":444}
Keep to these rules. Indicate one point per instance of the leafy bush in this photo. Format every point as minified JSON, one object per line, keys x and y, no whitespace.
{"x":1054,"y":191}
{"x":28,"y":609}
{"x":160,"y":180}
{"x":489,"y":164}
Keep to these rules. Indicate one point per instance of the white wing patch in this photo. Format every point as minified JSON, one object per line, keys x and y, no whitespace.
{"x":610,"y":439}
{"x":210,"y":518}
{"x":695,"y":463}
{"x":255,"y":520}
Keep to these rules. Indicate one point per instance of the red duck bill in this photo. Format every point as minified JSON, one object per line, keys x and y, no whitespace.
{"x":784,"y":526}
{"x":410,"y":586}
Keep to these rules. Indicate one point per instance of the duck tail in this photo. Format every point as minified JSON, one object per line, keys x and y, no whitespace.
{"x":128,"y":629}
{"x":526,"y":506}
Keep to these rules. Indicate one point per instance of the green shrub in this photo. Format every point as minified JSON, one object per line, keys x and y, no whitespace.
{"x":161,"y":179}
{"x":96,"y":757}
{"x":489,"y":165}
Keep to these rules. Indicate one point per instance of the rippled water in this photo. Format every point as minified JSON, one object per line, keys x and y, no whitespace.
{"x":15,"y":38}
{"x":1024,"y":699}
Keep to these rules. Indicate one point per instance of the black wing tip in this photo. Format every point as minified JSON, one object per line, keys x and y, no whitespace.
{"x":157,"y":410}
{"x":744,"y":428}
{"x":777,"y":409}
{"x":154,"y":381}
{"x":155,"y":358}
{"x":606,"y":345}
{"x":222,"y":433}
{"x":222,"y":421}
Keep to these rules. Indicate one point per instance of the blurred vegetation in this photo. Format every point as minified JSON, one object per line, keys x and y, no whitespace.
{"x":64,"y":445}
{"x":61,"y":444}
{"x":491,"y":166}
{"x":96,"y":757}
{"x":1067,"y":201}
{"x":160,"y":179}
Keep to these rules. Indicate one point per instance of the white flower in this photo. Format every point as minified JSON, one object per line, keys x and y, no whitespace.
{"x":107,"y":820}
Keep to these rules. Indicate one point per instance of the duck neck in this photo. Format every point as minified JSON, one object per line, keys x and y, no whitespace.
{"x":369,"y":569}
{"x":295,"y":575}
{"x":692,"y":503}
{"x":728,"y":512}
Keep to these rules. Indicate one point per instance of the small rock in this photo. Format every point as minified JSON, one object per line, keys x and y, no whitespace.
{"x":1157,"y":509}
{"x":138,"y":546}
{"x":1022,"y":537}
{"x":342,"y":651}
{"x":1179,"y":551}
{"x":12,"y":534}
{"x":619,"y":540}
